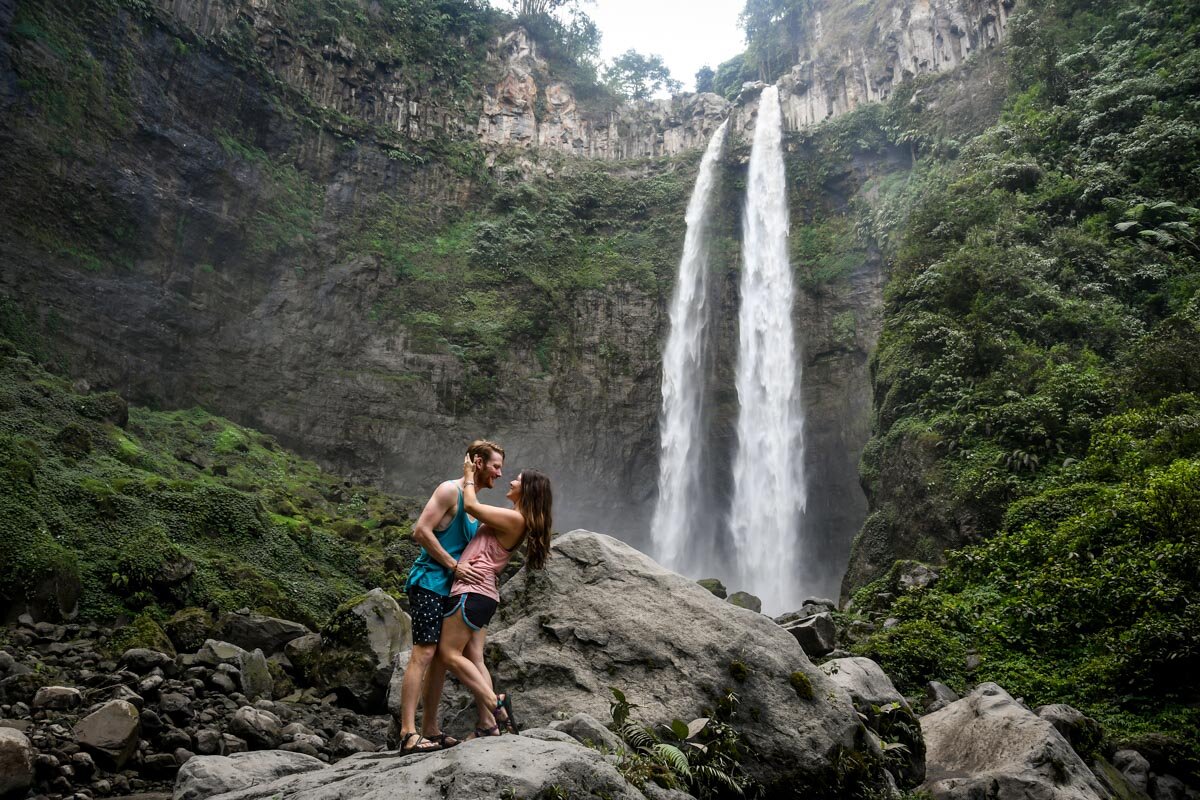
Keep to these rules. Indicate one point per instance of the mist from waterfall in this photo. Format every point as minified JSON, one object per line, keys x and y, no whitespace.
{"x":678,"y":506}
{"x":769,"y":486}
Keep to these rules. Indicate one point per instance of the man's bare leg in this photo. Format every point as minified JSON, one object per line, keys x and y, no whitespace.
{"x":431,"y":701}
{"x":410,"y":689}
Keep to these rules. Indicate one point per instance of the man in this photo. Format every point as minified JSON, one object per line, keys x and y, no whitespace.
{"x":443,"y":531}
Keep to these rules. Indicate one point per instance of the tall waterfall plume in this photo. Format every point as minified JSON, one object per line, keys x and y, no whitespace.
{"x":769,"y":494}
{"x":683,"y":382}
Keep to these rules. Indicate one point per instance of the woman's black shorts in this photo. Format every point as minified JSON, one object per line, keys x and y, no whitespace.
{"x":476,"y":609}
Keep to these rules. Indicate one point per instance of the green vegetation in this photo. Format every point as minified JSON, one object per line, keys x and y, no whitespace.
{"x":1037,"y":385}
{"x":145,"y":515}
{"x":502,"y":277}
{"x":702,"y":757}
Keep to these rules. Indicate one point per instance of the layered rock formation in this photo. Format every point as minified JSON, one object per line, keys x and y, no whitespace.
{"x":857,"y":54}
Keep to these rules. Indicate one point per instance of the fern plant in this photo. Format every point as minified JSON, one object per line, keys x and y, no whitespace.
{"x":703,"y":756}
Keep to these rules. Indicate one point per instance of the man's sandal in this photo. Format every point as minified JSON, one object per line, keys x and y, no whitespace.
{"x":422,"y":744}
{"x":444,"y":740}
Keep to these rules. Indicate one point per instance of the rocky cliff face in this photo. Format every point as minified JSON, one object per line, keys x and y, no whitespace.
{"x":854,"y":54}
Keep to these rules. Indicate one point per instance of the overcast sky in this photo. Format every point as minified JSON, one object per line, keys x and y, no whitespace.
{"x":686,"y":33}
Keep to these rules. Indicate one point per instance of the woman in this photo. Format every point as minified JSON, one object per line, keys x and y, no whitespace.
{"x":474,"y":603}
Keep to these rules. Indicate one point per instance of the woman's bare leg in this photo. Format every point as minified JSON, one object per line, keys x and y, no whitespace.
{"x":456,"y":636}
{"x":474,"y":652}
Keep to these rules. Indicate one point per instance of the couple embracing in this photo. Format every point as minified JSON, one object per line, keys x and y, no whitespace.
{"x":453,"y":590}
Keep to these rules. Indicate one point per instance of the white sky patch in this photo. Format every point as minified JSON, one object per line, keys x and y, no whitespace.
{"x":687,"y":33}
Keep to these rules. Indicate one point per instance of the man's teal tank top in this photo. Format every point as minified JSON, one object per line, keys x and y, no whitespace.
{"x":427,"y":573}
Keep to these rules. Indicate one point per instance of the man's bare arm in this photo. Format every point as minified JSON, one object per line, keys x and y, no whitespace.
{"x":444,"y":498}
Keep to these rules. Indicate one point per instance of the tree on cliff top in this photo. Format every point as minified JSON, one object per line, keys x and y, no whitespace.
{"x":638,"y":76}
{"x":773,"y":32}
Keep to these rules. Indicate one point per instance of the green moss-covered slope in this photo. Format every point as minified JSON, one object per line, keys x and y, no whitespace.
{"x":1037,"y":380}
{"x":131,"y":510}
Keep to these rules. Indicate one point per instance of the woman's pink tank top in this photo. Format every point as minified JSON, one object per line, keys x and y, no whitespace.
{"x":486,"y":554}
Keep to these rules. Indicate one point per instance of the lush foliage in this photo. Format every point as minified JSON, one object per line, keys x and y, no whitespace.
{"x":1036,"y":380}
{"x":501,"y":277}
{"x":169,"y":509}
{"x":702,"y":757}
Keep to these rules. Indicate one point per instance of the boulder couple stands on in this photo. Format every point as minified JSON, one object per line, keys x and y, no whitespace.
{"x":453,"y":590}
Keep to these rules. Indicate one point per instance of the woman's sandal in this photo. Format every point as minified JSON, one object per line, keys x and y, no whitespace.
{"x":483,"y":733}
{"x":444,"y":740}
{"x":431,"y":745}
{"x":509,"y":720}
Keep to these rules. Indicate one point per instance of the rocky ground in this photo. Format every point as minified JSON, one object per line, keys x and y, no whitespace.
{"x":95,"y":726}
{"x":265,"y":708}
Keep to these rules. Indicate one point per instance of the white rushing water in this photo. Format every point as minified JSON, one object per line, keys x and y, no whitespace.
{"x":683,"y":380}
{"x":768,"y":470}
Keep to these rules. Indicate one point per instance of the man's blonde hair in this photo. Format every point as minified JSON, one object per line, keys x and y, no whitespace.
{"x":482,"y":448}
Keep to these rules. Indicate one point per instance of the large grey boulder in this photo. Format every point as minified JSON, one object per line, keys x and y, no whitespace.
{"x":503,"y":766}
{"x":989,"y":745}
{"x":110,"y":732}
{"x":358,"y":647}
{"x":251,"y":630}
{"x":203,"y":777}
{"x":16,"y":763}
{"x":602,"y":614}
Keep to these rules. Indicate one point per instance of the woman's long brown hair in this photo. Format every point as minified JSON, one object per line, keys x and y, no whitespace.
{"x":535,"y":506}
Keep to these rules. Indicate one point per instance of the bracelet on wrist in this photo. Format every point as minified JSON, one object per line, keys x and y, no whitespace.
{"x":469,"y":483}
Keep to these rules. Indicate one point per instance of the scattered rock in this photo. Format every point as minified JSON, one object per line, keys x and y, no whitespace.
{"x":259,"y":728}
{"x":912,"y":575}
{"x":746,"y":600}
{"x":110,"y":732}
{"x":1134,"y":766}
{"x":16,"y":762}
{"x":251,"y":630}
{"x":715,"y":586}
{"x":214,"y":652}
{"x":255,"y":675}
{"x":589,"y":731}
{"x":58,"y":698}
{"x":142,"y":660}
{"x":1083,"y":732}
{"x":816,"y":634}
{"x":937,"y":696}
{"x":189,"y":628}
{"x":988,"y":744}
{"x":345,"y":744}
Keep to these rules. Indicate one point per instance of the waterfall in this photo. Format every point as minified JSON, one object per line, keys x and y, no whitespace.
{"x":768,"y":470}
{"x":675,"y":515}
